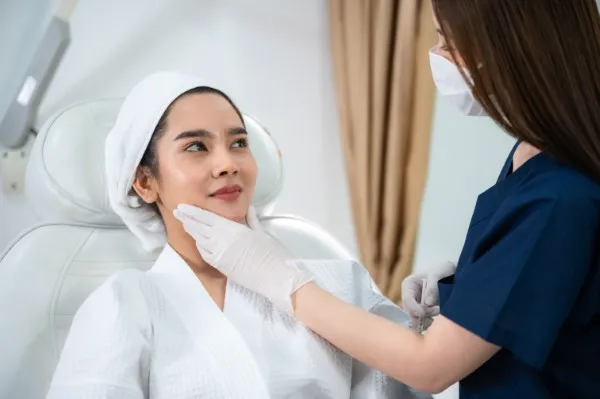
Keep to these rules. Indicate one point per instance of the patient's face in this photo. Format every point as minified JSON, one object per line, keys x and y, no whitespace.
{"x":204,"y":159}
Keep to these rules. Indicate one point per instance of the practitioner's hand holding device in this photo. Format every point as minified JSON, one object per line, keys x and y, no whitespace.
{"x":420,"y":295}
{"x":246,"y":254}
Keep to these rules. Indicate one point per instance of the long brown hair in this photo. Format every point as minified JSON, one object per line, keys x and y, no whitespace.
{"x":535,"y":68}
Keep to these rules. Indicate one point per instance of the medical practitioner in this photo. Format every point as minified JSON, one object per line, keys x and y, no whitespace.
{"x":520,"y":315}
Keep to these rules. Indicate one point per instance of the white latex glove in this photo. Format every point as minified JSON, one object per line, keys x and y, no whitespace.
{"x":422,"y":305}
{"x":246,"y":255}
{"x":253,"y":222}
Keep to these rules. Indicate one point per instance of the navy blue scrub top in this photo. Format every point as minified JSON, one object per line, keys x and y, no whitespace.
{"x":528,"y":280}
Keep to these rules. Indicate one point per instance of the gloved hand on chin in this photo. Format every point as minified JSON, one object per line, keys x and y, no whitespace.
{"x":420,"y":295}
{"x":245,"y":254}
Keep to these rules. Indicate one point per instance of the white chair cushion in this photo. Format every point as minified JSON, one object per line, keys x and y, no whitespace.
{"x":304,"y":239}
{"x":65,"y":177}
{"x":44,"y":278}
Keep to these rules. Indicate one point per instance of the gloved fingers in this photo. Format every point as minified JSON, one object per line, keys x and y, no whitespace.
{"x":203,"y":243}
{"x":413,"y":308}
{"x":194,"y":228}
{"x":204,"y":249}
{"x":186,"y":217}
{"x":412,"y":286}
{"x":427,"y":322}
{"x":414,"y":279}
{"x":431,"y":293}
{"x":411,"y":290}
{"x":414,"y":323}
{"x":205,"y":252}
{"x":431,"y":296}
{"x":431,"y":311}
{"x":198,"y":214}
{"x":445,"y":269}
{"x":423,"y":322}
{"x":411,"y":296}
{"x":252,"y":220}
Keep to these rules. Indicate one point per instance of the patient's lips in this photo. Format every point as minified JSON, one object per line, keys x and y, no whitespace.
{"x":228,"y":193}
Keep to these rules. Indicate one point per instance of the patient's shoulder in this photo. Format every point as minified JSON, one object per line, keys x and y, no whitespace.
{"x":122,"y":286}
{"x":121,"y":295}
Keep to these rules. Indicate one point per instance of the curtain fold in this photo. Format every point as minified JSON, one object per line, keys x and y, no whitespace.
{"x":385,"y":98}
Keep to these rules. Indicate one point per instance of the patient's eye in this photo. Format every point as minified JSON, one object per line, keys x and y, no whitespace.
{"x":241,"y":143}
{"x":196,"y":146}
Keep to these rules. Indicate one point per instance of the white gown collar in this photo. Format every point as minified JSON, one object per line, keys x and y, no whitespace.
{"x":202,"y":317}
{"x":171,"y":263}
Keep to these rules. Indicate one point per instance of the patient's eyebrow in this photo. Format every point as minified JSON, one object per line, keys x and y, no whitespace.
{"x":191,"y":134}
{"x":235,"y":131}
{"x":202,"y":133}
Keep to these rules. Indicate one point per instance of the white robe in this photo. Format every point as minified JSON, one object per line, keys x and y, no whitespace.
{"x":159,"y":335}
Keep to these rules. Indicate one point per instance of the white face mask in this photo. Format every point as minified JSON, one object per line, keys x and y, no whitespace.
{"x":453,"y":87}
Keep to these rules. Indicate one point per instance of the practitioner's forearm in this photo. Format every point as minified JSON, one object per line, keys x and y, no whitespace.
{"x":372,"y":339}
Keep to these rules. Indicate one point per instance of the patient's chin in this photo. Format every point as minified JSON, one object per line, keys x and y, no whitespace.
{"x":236,"y":215}
{"x":239,"y":219}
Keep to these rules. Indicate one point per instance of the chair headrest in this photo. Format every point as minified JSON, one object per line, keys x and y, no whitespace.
{"x":65,"y":177}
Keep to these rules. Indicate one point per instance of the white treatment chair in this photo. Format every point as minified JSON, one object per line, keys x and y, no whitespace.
{"x":46,"y":274}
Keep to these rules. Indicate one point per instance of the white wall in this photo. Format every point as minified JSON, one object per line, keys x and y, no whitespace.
{"x":272,"y":57}
{"x":466,"y":156}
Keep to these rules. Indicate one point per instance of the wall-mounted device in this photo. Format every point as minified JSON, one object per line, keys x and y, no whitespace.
{"x":17,"y":121}
{"x":17,"y":118}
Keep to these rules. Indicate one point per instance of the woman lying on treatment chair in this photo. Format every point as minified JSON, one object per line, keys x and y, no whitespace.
{"x":182,"y":330}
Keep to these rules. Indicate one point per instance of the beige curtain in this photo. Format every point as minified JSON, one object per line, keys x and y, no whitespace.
{"x":385,"y":98}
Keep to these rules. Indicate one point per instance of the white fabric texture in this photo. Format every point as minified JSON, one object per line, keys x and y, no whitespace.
{"x":126,"y":143}
{"x":159,"y":335}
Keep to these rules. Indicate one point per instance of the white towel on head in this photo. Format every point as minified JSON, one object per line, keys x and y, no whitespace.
{"x":126,"y":143}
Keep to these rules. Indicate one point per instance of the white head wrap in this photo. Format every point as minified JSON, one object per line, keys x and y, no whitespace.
{"x":126,"y":143}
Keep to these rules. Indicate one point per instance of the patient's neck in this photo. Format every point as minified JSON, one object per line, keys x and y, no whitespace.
{"x":185,"y":246}
{"x":214,"y":282}
{"x":188,"y":251}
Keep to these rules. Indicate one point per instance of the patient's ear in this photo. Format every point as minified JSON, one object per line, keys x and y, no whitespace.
{"x":144,"y":185}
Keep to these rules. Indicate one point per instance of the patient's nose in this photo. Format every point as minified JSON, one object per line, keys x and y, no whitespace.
{"x":224,"y":164}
